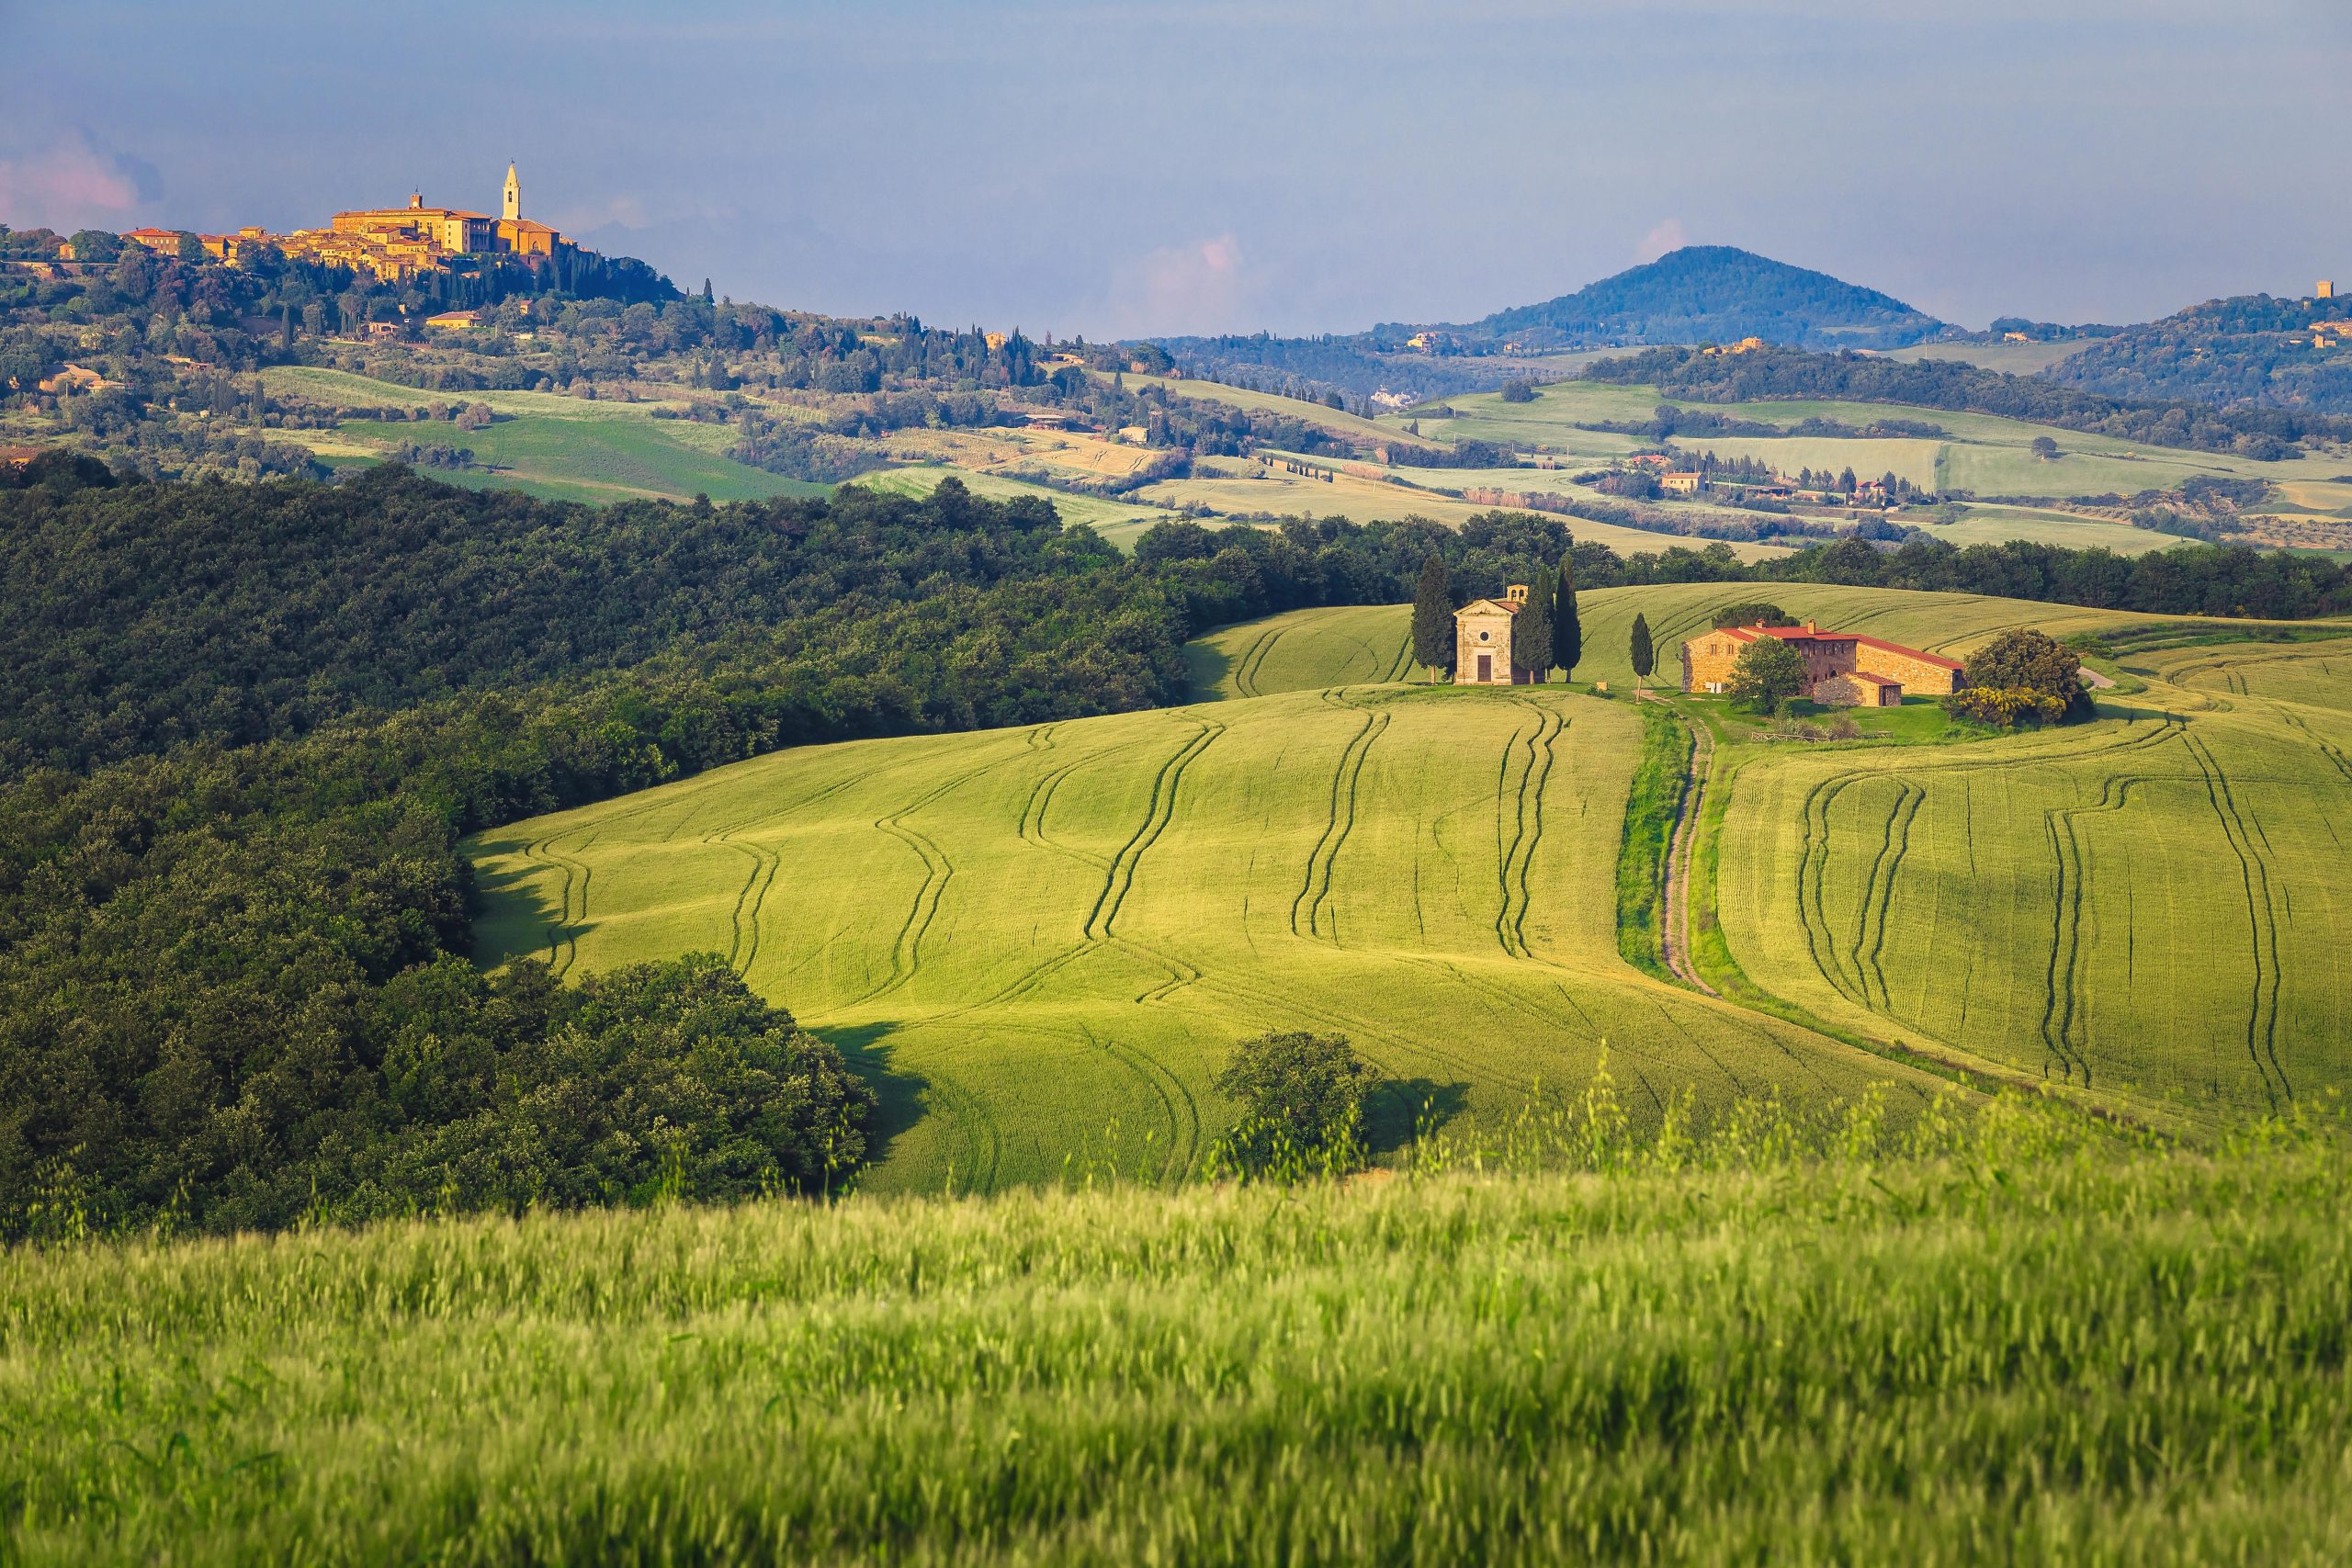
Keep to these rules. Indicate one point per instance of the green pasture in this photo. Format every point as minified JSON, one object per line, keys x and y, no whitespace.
{"x":2006,"y":1347}
{"x":563,"y":449}
{"x":1118,"y":521}
{"x":341,"y":388}
{"x":1051,"y":937}
{"x":2008,"y":359}
{"x":1995,"y":524}
{"x":1306,"y":650}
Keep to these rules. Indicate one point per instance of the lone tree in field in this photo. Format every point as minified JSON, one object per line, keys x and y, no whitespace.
{"x":1433,"y":618}
{"x":1302,"y":1103}
{"x":2044,"y":447}
{"x":1644,"y":656}
{"x":2032,"y":661}
{"x":1567,"y":629}
{"x":1768,"y":673}
{"x":1531,"y":629}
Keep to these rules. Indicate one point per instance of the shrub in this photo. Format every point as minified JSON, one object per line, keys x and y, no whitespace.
{"x":1768,"y":673}
{"x":2005,"y":708}
{"x":1302,"y":1105}
{"x":1516,"y":392}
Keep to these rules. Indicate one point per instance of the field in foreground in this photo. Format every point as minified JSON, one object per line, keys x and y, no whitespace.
{"x":2015,"y":1350}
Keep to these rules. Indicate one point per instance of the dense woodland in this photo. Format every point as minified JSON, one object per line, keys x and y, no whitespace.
{"x":2253,"y":351}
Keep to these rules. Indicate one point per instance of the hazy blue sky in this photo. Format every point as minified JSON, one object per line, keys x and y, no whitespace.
{"x":1214,"y":166}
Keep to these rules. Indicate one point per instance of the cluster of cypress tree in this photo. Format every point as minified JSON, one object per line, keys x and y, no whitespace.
{"x":1546,"y":633}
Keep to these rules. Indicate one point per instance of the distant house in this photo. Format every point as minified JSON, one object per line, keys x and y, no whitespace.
{"x":1482,"y":640}
{"x":454,"y":320}
{"x":1834,"y":665}
{"x":1682,"y":482}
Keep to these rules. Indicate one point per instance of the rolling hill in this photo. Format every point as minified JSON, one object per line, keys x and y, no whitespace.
{"x":1715,"y":294}
{"x":1050,"y":935}
{"x":2254,"y":350}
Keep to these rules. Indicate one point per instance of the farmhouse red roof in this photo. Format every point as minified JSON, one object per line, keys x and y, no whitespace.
{"x":1814,"y":634}
{"x":1880,"y":681}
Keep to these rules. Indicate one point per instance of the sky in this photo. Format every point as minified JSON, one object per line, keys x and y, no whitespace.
{"x":1236,"y":165}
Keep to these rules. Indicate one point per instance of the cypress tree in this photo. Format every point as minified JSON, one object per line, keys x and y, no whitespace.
{"x":1644,"y":656}
{"x":1531,"y":629}
{"x":1567,"y":631}
{"x":1433,"y":618}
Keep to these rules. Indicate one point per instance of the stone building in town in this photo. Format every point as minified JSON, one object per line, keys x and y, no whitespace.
{"x":1841,"y":669}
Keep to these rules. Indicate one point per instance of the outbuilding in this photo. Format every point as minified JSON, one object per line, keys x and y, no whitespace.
{"x":1482,"y":640}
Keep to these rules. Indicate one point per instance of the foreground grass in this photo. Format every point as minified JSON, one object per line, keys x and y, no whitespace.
{"x":2018,"y":1345}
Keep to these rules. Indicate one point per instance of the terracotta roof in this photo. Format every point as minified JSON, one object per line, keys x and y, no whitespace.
{"x":1800,"y":634}
{"x":1878,"y":680}
{"x":1505,"y":605}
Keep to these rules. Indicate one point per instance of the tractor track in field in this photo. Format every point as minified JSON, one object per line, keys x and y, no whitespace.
{"x":2262,"y":917}
{"x":1181,"y":1112}
{"x":2065,"y":1004}
{"x":2327,"y":748}
{"x":563,"y":932}
{"x":1526,"y":817}
{"x":906,"y":949}
{"x":1253,"y":659}
{"x":1878,"y":894}
{"x":1823,"y":947}
{"x":1120,"y":878}
{"x":1315,"y":886}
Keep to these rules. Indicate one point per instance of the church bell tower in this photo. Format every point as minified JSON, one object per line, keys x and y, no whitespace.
{"x":513,"y":196}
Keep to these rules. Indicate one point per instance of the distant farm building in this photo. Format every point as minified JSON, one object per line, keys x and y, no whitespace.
{"x":1682,"y":482}
{"x":1834,"y":665}
{"x":1482,"y":640}
{"x":2326,"y":289}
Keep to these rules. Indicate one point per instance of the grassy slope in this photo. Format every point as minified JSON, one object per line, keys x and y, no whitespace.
{"x":2009,"y":358}
{"x":1117,"y":521}
{"x":2179,"y":881}
{"x":1055,"y":934}
{"x":2151,"y":905}
{"x":567,"y":448}
{"x":2092,"y":1358}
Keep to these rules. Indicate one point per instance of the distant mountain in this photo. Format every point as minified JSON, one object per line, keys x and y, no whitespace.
{"x":1698,"y":294}
{"x":2253,"y":351}
{"x":1719,"y":294}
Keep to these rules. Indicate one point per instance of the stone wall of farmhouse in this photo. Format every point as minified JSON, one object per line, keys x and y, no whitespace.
{"x":1918,"y":677}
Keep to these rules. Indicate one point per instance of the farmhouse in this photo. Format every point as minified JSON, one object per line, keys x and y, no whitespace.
{"x":1841,"y":669}
{"x":1482,"y":640}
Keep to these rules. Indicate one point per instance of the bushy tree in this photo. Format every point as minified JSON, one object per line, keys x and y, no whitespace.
{"x":1644,"y":655}
{"x":1433,"y":617}
{"x":1302,"y":1102}
{"x":1766,"y":673}
{"x":1752,"y":613}
{"x":2032,"y":661}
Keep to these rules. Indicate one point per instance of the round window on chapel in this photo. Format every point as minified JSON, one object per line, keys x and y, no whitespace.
{"x":1484,"y":635}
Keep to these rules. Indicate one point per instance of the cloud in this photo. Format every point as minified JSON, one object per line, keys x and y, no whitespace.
{"x":1666,"y":236}
{"x":70,"y":185}
{"x":1199,"y":287}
